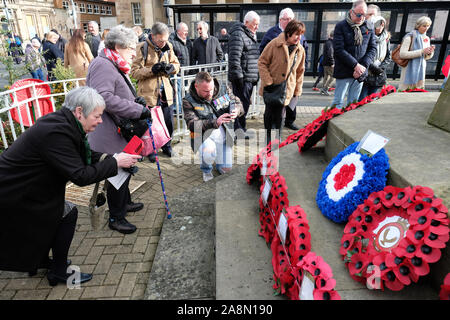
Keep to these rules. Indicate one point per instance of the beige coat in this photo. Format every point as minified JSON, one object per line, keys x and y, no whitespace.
{"x":405,"y":53}
{"x":149,"y":83}
{"x":274,"y":65}
{"x":78,"y":61}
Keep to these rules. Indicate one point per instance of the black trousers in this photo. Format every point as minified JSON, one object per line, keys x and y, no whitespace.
{"x":274,"y":118}
{"x":291,"y":115}
{"x":118,"y":199}
{"x":62,"y":241}
{"x":244,"y":94}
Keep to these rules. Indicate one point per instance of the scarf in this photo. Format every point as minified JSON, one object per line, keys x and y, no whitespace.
{"x":115,"y":57}
{"x":415,"y":70}
{"x":87,"y":147}
{"x":356,"y":29}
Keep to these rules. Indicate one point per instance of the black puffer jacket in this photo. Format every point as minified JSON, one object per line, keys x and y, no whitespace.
{"x":182,"y":50}
{"x":243,"y":54}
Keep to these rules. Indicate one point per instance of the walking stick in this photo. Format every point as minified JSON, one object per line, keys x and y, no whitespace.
{"x":169,"y":215}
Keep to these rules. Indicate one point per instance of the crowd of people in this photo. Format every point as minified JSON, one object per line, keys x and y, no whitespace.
{"x":67,"y":145}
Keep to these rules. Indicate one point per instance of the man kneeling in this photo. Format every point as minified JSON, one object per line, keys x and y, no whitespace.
{"x":209,"y":117}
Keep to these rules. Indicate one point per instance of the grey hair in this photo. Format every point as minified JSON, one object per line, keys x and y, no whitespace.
{"x":204,"y":24}
{"x":374,"y":6}
{"x":160,"y":28}
{"x":423,"y":21}
{"x":251,"y":16}
{"x":85,"y":97}
{"x":121,"y":36}
{"x":94,"y":23}
{"x":180,"y":25}
{"x":287,"y":12}
{"x":359,"y":3}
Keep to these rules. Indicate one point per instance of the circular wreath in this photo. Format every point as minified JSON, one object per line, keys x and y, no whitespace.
{"x":393,"y":236}
{"x":314,"y":266}
{"x":348,"y":180}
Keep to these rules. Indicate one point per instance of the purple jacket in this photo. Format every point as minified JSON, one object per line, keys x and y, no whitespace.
{"x":109,"y":83}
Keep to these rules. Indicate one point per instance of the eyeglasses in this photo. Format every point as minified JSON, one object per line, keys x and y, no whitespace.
{"x":358,"y":15}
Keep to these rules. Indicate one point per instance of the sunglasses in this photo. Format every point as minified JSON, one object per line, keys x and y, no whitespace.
{"x":358,"y":15}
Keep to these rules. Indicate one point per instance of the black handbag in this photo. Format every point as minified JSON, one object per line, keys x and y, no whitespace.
{"x":274,"y":95}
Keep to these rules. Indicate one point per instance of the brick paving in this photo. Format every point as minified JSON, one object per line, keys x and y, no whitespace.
{"x":121,"y":264}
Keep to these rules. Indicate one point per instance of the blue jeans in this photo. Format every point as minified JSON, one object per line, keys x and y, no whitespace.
{"x":348,"y":86}
{"x":212,"y":151}
{"x":37,"y":74}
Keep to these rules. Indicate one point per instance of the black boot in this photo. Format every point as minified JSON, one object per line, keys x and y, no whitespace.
{"x":54,"y":279}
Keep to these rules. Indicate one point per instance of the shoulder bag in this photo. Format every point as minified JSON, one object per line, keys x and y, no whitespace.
{"x":274,"y":95}
{"x":97,"y":203}
{"x":396,"y":54}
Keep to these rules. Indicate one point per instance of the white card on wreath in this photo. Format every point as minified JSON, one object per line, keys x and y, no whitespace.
{"x":307,"y":287}
{"x":264,"y":167}
{"x":266,"y":191}
{"x":282,"y":227}
{"x":371,"y":143}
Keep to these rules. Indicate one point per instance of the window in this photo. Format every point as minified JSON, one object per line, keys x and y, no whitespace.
{"x":136,"y":11}
{"x":89,"y":8}
{"x":82,"y":8}
{"x":109,"y":11}
{"x":65,"y":4}
{"x":103,"y":10}
{"x":96,"y":9}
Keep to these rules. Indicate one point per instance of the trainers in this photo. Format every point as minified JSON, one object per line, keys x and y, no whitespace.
{"x":207,"y":176}
{"x":122,"y":225}
{"x":315,"y":89}
{"x":324,"y":92}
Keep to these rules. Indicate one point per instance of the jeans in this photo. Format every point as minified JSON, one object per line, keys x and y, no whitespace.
{"x":245,"y":95}
{"x":37,"y":74}
{"x":348,"y":86}
{"x":215,"y":149}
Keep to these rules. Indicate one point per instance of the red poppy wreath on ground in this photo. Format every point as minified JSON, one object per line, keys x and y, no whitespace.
{"x":391,"y":238}
{"x":264,"y":160}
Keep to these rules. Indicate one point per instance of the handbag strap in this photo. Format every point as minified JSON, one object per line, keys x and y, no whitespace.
{"x":93,"y":199}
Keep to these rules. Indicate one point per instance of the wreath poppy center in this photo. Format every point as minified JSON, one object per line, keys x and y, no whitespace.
{"x":344,"y":176}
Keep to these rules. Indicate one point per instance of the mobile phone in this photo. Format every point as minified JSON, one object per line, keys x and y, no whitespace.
{"x":232,"y":106}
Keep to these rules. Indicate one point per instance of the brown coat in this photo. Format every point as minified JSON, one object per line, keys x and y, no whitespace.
{"x":149,"y":83}
{"x":78,"y":61}
{"x":274,"y":65}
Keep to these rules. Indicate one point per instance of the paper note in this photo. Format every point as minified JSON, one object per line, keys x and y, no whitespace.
{"x":371,"y":143}
{"x":266,"y":191}
{"x":293,"y":103}
{"x":282,"y":227}
{"x":307,"y":287}
{"x":119,"y":179}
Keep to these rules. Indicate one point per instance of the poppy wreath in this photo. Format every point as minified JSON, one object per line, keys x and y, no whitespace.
{"x":254,"y":170}
{"x":299,"y":235}
{"x":391,"y":238}
{"x":322,"y":276}
{"x":282,"y":276}
{"x":348,"y":180}
{"x":444,"y":294}
{"x":415,"y":90}
{"x":316,"y":130}
{"x":277,"y":200}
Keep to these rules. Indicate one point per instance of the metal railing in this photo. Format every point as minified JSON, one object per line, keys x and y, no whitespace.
{"x":9,"y":103}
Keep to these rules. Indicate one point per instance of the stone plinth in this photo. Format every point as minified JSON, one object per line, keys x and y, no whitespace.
{"x":440,"y":116}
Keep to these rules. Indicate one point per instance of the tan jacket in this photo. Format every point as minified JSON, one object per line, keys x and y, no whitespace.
{"x":148,"y":83}
{"x":78,"y":61}
{"x":274,"y":65}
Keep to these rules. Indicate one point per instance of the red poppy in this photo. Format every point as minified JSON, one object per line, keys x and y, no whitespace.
{"x":444,"y":293}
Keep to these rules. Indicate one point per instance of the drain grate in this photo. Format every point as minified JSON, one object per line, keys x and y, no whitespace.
{"x":81,"y":195}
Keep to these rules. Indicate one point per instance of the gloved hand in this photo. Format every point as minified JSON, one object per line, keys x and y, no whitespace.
{"x":158,"y":68}
{"x":169,"y":69}
{"x":376,"y":70}
{"x":146,"y":114}
{"x":141,"y":101}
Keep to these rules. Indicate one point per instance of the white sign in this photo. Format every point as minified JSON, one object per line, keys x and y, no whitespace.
{"x":119,"y":179}
{"x":307,"y":287}
{"x":372,"y":143}
{"x":266,"y":191}
{"x":264,"y":167}
{"x":282,"y":227}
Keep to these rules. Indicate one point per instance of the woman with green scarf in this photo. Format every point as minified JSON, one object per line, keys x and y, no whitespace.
{"x":34,"y":172}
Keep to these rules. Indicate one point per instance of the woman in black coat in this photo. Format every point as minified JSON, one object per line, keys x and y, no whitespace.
{"x":51,"y":53}
{"x":33,"y":174}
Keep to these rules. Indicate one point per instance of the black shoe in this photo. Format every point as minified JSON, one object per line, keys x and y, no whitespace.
{"x":122,"y":225}
{"x":292,"y":126}
{"x":168,"y":151}
{"x":135,"y":206}
{"x":46,"y":265}
{"x":54,"y":279}
{"x":152,"y":157}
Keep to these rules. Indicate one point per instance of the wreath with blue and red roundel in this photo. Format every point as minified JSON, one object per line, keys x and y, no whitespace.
{"x":348,"y":180}
{"x":391,"y":238}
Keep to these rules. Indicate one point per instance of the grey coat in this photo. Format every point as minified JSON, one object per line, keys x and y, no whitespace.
{"x":106,"y":79}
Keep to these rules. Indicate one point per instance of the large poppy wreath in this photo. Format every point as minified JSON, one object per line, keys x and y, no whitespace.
{"x":348,"y":180}
{"x":391,"y":238}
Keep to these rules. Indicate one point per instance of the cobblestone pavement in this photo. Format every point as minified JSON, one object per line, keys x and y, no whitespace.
{"x":121,"y":264}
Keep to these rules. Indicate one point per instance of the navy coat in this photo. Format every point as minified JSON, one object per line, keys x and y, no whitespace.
{"x":346,"y":54}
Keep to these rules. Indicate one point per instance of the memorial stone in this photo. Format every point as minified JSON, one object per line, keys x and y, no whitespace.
{"x":440,"y":116}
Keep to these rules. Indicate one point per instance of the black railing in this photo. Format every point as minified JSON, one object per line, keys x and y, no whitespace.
{"x":320,"y":19}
